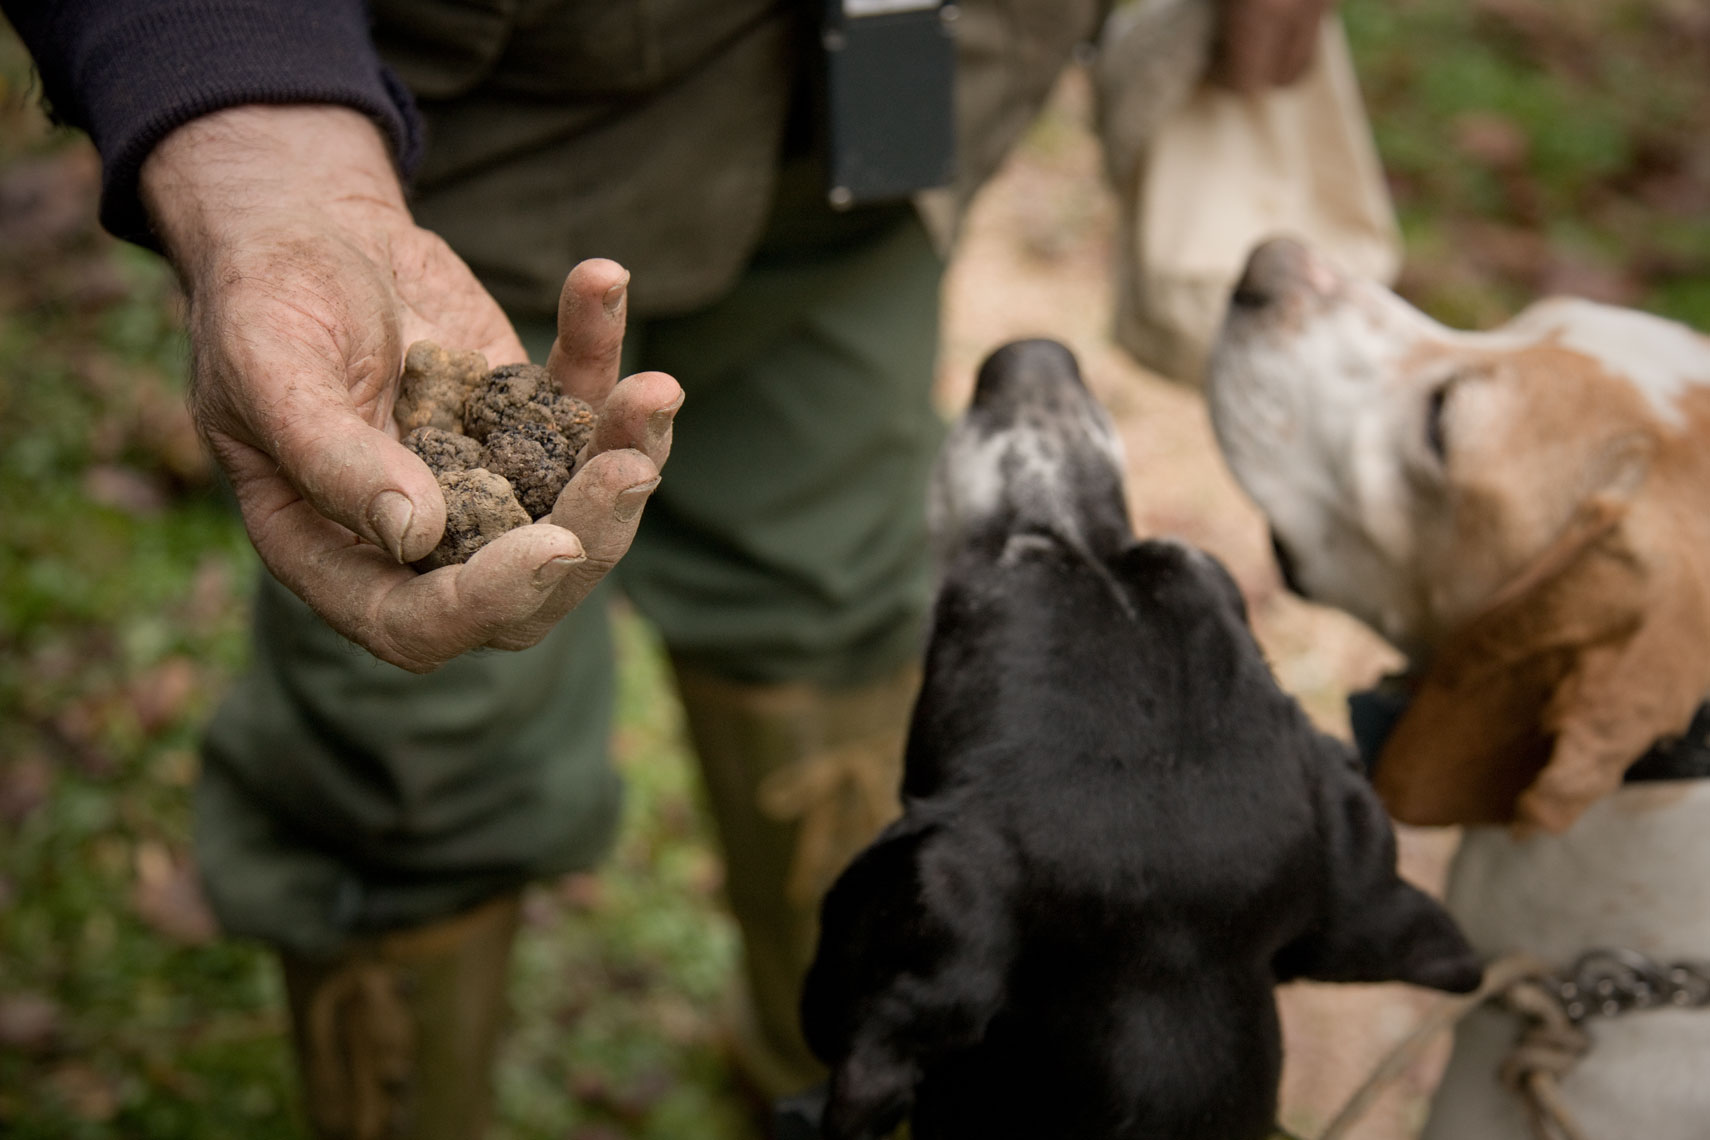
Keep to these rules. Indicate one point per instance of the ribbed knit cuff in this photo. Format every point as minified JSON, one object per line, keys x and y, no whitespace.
{"x":132,"y":70}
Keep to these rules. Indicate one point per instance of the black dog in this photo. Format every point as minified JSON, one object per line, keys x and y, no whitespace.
{"x":1119,"y":834}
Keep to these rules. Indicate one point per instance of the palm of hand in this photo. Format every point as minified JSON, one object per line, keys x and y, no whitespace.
{"x":298,"y":345}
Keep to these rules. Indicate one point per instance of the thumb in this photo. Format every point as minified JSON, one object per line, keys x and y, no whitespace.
{"x":311,"y":435}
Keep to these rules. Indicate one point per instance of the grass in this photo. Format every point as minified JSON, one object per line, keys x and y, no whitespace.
{"x":1526,"y":153}
{"x":1536,"y":147}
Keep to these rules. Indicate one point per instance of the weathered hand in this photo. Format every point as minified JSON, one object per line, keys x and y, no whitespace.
{"x":307,"y":281}
{"x":1265,"y":43}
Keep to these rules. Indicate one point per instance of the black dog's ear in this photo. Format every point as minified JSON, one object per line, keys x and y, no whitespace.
{"x":913,"y":953}
{"x":1397,"y":934}
{"x":1372,"y":926}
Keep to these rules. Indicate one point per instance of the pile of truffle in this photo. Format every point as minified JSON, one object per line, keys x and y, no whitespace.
{"x":503,"y":442}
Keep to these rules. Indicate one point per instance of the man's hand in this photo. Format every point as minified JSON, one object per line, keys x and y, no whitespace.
{"x":307,"y":281}
{"x":1265,"y":43}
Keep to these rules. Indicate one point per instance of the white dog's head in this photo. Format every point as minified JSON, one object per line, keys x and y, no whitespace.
{"x":1525,"y":512}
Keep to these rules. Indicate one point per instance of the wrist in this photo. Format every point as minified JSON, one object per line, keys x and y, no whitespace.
{"x":225,"y":178}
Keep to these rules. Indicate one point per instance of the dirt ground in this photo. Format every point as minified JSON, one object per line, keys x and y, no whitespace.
{"x":1035,"y":261}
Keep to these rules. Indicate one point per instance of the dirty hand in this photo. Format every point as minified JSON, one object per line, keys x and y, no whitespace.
{"x":1265,"y":43}
{"x":307,"y":281}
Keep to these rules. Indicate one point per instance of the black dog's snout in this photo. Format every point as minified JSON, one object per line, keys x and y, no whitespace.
{"x":1026,"y":374}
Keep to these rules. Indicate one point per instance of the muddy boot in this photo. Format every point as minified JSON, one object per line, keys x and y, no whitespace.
{"x":395,"y":1037}
{"x":799,"y":778}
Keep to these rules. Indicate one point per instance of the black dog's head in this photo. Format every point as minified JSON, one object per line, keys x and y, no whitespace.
{"x":1118,"y":832}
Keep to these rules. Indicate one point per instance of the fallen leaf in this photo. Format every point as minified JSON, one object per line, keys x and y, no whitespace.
{"x":29,"y":1023}
{"x":706,"y":873}
{"x":631,"y":1101}
{"x":182,"y":1083}
{"x":1491,"y":139}
{"x":539,"y":910}
{"x":1675,"y":192}
{"x":1612,"y":286}
{"x":1561,"y":37}
{"x":124,"y":489}
{"x":90,"y":282}
{"x":159,"y":696}
{"x":1520,"y":254}
{"x":210,"y":597}
{"x":167,"y":896}
{"x":48,"y":203}
{"x":629,"y":977}
{"x":588,"y":1086}
{"x":78,"y":726}
{"x":643,"y":1092}
{"x":596,"y":1132}
{"x":678,"y":1019}
{"x":177,"y":767}
{"x":1685,"y":22}
{"x":165,"y":431}
{"x":24,"y":787}
{"x":88,"y":1093}
{"x":582,"y":891}
{"x":143,"y":415}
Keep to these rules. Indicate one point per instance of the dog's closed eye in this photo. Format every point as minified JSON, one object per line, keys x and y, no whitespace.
{"x":1438,"y":402}
{"x":1435,"y":437}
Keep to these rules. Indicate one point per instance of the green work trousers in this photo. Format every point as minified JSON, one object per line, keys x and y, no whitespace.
{"x":341,"y":796}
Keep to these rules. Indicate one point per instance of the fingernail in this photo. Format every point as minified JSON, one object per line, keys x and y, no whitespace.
{"x":390,"y":513}
{"x":553,"y":570}
{"x":659,"y":424}
{"x":657,"y":428}
{"x":631,"y":499}
{"x":614,"y":296}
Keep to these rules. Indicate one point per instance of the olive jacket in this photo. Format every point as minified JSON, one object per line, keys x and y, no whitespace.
{"x":539,"y":132}
{"x":650,"y":131}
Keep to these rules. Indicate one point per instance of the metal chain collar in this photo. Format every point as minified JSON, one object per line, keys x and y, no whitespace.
{"x":1605,"y":982}
{"x":1608,"y":982}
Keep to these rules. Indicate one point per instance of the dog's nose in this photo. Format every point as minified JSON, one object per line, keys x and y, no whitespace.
{"x":1274,"y":268}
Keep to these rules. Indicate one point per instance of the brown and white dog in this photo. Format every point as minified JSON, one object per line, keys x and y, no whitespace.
{"x":1525,"y":512}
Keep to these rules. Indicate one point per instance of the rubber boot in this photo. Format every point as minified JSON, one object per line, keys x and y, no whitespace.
{"x":395,"y":1037}
{"x":799,"y":778}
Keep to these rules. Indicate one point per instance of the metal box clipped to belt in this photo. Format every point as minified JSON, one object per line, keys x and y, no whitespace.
{"x":890,"y":88}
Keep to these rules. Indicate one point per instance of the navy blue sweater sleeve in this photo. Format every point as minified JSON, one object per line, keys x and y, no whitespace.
{"x":129,"y":71}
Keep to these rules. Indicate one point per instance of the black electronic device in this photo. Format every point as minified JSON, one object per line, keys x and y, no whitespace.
{"x":889,"y":98}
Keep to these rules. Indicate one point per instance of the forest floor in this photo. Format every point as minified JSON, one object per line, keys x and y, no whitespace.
{"x":1530,"y":147}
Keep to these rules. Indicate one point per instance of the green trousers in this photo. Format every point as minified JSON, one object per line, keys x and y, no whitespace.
{"x":340,"y":796}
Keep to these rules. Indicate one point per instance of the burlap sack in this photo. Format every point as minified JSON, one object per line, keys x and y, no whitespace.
{"x":1221,"y":172}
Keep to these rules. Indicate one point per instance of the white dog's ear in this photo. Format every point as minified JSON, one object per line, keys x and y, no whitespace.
{"x":1499,"y":703}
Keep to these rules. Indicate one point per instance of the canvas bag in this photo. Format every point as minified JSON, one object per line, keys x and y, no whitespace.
{"x":1220,"y":173}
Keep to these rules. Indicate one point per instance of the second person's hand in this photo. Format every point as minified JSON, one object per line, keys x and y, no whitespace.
{"x":1266,"y":43}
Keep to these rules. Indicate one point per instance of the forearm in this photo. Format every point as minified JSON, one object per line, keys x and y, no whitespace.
{"x":251,"y":169}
